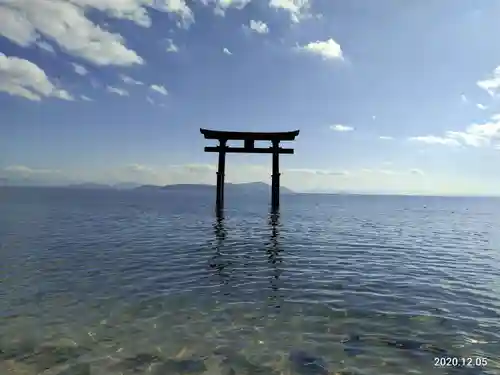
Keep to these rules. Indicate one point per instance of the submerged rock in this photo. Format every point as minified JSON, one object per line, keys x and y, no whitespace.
{"x":405,"y":344}
{"x":180,"y":366}
{"x":414,"y":345}
{"x":137,"y":363}
{"x":348,"y":372}
{"x":17,"y":350}
{"x":78,"y":369}
{"x":236,"y":363}
{"x":48,"y":356}
{"x":353,"y":345}
{"x":306,"y":364}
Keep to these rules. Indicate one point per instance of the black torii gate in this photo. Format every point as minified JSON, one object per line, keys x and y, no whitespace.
{"x":249,"y":148}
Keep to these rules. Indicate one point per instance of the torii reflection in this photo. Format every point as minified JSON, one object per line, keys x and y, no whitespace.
{"x":221,"y":262}
{"x":274,"y":253}
{"x":218,"y":263}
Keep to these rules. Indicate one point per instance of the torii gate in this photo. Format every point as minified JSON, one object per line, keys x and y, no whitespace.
{"x":249,"y":147}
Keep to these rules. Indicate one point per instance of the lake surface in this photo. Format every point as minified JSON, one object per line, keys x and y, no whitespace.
{"x":124,"y":282}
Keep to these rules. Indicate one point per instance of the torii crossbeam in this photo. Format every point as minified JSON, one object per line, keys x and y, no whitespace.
{"x":249,"y":139}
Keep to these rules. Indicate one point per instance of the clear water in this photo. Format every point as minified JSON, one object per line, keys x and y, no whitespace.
{"x":364,"y":284}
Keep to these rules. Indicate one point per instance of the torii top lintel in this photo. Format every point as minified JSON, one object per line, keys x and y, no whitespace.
{"x":256,"y":136}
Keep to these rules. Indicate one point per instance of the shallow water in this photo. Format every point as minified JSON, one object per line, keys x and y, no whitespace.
{"x":370,"y":285}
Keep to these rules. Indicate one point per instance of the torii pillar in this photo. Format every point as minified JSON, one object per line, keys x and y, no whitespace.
{"x":275,"y":178}
{"x":221,"y":172}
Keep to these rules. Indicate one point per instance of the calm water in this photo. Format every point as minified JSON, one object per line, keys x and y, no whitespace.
{"x":364,"y":285}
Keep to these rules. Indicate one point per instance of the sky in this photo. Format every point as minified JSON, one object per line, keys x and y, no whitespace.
{"x":389,"y":96}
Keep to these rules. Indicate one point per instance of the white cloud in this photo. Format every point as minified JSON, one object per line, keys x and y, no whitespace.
{"x":79,"y":69}
{"x":21,"y":174}
{"x":297,"y":8}
{"x":171,"y":46}
{"x":21,"y":77}
{"x":178,"y":7}
{"x":464,"y":98}
{"x":65,"y":23}
{"x":117,"y":91}
{"x":341,"y":128}
{"x":26,"y":170}
{"x":85,"y":98}
{"x":150,"y":101}
{"x":481,"y":106}
{"x":492,"y":84}
{"x":45,"y":46}
{"x":432,"y":139}
{"x":475,"y":135}
{"x":478,"y":135}
{"x":139,"y":168}
{"x":222,"y":5}
{"x":160,"y":89}
{"x":226,"y":51}
{"x":259,"y":27}
{"x":385,"y":137}
{"x":389,"y":172}
{"x":318,"y":172}
{"x":328,"y":50}
{"x":130,"y":81}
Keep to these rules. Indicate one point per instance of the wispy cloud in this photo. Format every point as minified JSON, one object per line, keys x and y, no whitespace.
{"x":130,"y":81}
{"x":481,"y":106}
{"x":24,"y":175}
{"x":80,"y":69}
{"x":45,"y":46}
{"x":435,"y":140}
{"x":23,"y":169}
{"x":328,"y":50}
{"x":318,"y":172}
{"x":85,"y":98}
{"x":171,"y":46}
{"x":341,"y":128}
{"x":117,"y":91}
{"x":226,"y":51}
{"x":390,"y":172}
{"x":475,"y":135}
{"x":159,"y":89}
{"x":259,"y":27}
{"x":491,"y":84}
{"x":22,"y":78}
{"x":385,"y":137}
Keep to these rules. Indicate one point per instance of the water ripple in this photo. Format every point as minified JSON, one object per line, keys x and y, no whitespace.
{"x":136,"y":272}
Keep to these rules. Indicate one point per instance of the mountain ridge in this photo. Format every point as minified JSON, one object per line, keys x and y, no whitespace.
{"x":229,"y":187}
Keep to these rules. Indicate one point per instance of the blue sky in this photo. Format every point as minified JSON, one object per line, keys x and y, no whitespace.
{"x":389,"y":96}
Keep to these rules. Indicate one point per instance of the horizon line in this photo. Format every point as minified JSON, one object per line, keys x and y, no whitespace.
{"x":292,"y":192}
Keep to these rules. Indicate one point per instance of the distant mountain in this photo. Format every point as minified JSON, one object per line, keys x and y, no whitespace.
{"x":126,"y":185}
{"x":249,"y":188}
{"x":93,"y":185}
{"x":24,"y":181}
{"x":89,"y":185}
